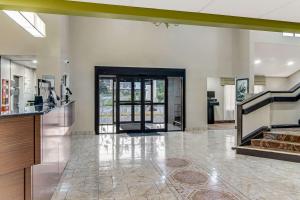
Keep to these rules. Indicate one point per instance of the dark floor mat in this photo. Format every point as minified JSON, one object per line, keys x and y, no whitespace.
{"x":143,"y":134}
{"x":130,"y":126}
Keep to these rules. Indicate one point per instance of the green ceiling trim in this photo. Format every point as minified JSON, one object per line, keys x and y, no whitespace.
{"x":147,"y":14}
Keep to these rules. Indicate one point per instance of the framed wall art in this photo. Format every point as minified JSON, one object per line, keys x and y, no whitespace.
{"x":242,"y":89}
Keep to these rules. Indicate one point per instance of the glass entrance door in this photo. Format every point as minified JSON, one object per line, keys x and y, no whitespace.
{"x":141,"y":104}
{"x":155,"y":104}
{"x":129,"y":104}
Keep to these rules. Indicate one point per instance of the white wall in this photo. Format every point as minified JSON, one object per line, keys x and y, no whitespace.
{"x":30,"y":84}
{"x":285,"y":112}
{"x":293,"y":79}
{"x":5,"y":69}
{"x":214,"y":84}
{"x":243,"y":51}
{"x":202,"y":51}
{"x":53,"y":50}
{"x":276,"y":83}
{"x":282,"y":83}
{"x":273,"y":37}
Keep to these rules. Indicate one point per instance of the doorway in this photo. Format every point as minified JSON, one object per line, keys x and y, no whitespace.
{"x":141,"y":104}
{"x":132,"y":100}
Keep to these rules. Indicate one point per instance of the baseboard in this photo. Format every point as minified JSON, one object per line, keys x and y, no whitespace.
{"x":277,"y":155}
{"x":224,"y":121}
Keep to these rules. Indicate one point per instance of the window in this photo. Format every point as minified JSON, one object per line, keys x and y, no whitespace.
{"x":258,"y":88}
{"x":286,"y":34}
{"x":106,"y":100}
{"x":229,"y":97}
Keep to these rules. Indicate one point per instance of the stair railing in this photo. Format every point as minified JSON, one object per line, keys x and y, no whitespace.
{"x":265,"y":109}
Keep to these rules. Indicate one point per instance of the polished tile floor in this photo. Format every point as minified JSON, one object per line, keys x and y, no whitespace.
{"x":176,"y":165}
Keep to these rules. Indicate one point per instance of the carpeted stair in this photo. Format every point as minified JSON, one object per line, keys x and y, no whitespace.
{"x":279,"y":141}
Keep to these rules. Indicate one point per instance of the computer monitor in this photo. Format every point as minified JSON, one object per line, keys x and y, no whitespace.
{"x":38,"y":100}
{"x":210,"y":94}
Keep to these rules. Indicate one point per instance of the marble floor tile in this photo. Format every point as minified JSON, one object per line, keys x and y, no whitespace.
{"x":176,"y":165}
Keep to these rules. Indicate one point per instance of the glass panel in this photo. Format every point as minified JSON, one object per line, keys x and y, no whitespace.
{"x":137,"y":91}
{"x":115,"y":112}
{"x":148,"y":90}
{"x":106,"y":101}
{"x":174,"y":103}
{"x":125,"y":113}
{"x":137,"y":113}
{"x":158,"y":91}
{"x":159,"y":114}
{"x":106,"y":115}
{"x":115,"y":102}
{"x":125,"y":91}
{"x":147,"y":112}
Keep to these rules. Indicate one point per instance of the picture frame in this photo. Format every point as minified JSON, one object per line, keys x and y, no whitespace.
{"x":242,"y":89}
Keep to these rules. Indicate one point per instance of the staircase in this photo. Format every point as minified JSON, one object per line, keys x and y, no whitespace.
{"x":281,"y":144}
{"x":278,"y":141}
{"x":267,"y":125}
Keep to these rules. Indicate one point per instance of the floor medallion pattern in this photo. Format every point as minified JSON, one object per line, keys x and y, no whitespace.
{"x":177,"y":162}
{"x":190,"y":177}
{"x":212,"y":195}
{"x":191,"y":182}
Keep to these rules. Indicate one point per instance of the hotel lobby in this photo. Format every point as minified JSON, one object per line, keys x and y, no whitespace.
{"x":149,"y":100}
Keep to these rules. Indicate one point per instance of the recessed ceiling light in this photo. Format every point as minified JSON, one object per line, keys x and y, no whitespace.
{"x":290,"y":63}
{"x":285,"y":34}
{"x":34,"y":61}
{"x":258,"y":61}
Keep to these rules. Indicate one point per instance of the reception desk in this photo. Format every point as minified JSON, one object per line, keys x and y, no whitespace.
{"x":34,"y":148}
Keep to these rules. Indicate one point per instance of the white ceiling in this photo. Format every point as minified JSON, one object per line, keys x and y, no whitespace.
{"x":274,"y":59}
{"x":285,"y":10}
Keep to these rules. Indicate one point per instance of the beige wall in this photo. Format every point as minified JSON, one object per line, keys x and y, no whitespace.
{"x":276,"y":83}
{"x":53,"y":50}
{"x":243,"y":50}
{"x":50,"y":51}
{"x":202,"y":51}
{"x":294,"y":79}
{"x":214,"y":84}
{"x":282,"y":83}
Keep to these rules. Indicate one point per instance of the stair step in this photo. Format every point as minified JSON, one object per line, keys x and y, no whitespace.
{"x":276,"y":144}
{"x":269,"y":153}
{"x":283,"y":136}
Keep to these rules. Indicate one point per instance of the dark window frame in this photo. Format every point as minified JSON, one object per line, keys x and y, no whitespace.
{"x":141,"y":72}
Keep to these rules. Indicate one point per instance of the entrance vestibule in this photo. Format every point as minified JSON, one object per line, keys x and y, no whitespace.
{"x":139,"y":103}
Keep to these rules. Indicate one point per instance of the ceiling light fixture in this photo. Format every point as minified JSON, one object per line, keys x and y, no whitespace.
{"x":258,"y":61}
{"x":34,"y":61}
{"x":30,"y":21}
{"x":290,"y":63}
